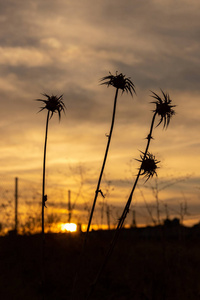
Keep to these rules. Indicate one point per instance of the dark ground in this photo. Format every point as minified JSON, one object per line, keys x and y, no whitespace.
{"x":147,"y":264}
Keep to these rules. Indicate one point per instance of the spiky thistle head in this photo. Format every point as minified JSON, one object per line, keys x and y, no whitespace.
{"x":53,"y":104}
{"x":119,"y":81}
{"x":163,"y":108}
{"x":149,"y":165}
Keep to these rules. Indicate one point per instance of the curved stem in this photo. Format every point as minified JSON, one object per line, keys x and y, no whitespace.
{"x":103,"y":165}
{"x":126,"y":209}
{"x":124,"y":213}
{"x":97,"y":190}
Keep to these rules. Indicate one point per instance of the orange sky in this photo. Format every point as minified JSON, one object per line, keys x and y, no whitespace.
{"x":65,"y":48}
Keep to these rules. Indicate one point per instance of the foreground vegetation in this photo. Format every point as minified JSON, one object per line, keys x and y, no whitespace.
{"x":56,"y":268}
{"x":153,"y":263}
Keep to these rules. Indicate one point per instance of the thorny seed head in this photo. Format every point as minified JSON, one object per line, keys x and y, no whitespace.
{"x":119,"y":81}
{"x":163,"y":108}
{"x":53,"y":104}
{"x":149,"y":165}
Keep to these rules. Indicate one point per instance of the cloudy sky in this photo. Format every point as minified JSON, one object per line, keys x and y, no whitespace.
{"x":65,"y":47}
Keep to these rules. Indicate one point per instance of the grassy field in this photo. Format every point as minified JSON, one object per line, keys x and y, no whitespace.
{"x":147,"y":264}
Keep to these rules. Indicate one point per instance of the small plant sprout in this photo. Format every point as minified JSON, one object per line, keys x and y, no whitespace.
{"x":119,"y":82}
{"x":148,"y":168}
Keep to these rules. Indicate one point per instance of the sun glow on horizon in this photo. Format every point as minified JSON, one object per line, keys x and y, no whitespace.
{"x":69,"y":227}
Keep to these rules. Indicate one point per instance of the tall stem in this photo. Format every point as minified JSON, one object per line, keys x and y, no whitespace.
{"x":103,"y":165}
{"x":124,"y":213}
{"x":44,"y":173}
{"x":97,"y":191}
{"x":43,"y":205}
{"x":126,"y":209}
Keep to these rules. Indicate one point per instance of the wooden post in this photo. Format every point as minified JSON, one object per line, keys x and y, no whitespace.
{"x":16,"y":204}
{"x":69,"y":207}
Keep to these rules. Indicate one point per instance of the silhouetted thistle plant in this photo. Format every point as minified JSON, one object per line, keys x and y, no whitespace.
{"x":148,"y":168}
{"x":119,"y":82}
{"x":148,"y":165}
{"x":53,"y":104}
{"x":164,"y":109}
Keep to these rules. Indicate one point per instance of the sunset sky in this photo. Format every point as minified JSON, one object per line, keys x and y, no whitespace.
{"x":66,"y":47}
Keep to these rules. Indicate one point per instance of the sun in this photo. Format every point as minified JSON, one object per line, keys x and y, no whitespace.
{"x":71,"y":227}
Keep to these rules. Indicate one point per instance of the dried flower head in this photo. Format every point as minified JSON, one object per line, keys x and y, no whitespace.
{"x":120,"y":81}
{"x":149,"y":165}
{"x":53,"y":104}
{"x":163,"y":108}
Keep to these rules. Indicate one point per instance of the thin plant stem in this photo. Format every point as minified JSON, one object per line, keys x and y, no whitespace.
{"x":96,"y":192}
{"x":126,"y":209}
{"x":43,"y":202}
{"x":124,"y":213}
{"x":53,"y":104}
{"x":103,"y":165}
{"x":44,"y":173}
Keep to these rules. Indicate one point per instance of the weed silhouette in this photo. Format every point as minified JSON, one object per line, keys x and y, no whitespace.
{"x":147,"y":168}
{"x":119,"y":82}
{"x":53,"y":104}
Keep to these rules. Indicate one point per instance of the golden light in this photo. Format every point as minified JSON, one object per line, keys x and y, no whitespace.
{"x":71,"y":227}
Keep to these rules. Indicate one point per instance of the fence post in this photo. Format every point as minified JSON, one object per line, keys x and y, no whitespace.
{"x":69,"y":207}
{"x":16,"y":204}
